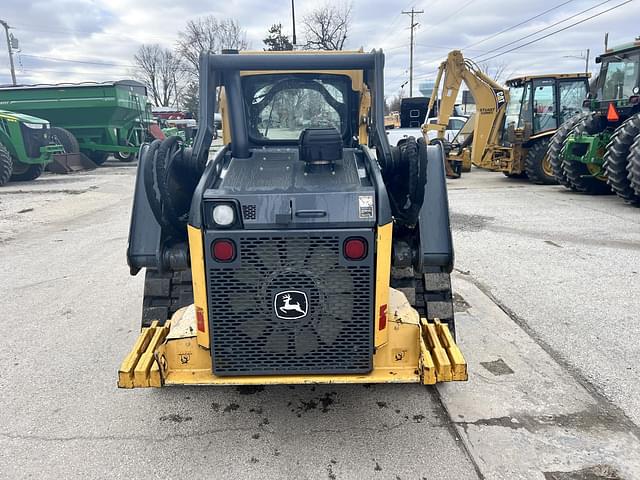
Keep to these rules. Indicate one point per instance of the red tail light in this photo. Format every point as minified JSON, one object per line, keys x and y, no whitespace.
{"x":224,"y":250}
{"x":200,"y":319}
{"x":355,"y":248}
{"x":612,"y":113}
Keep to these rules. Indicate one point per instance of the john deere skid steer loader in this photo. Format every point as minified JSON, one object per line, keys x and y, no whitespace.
{"x":307,"y":250}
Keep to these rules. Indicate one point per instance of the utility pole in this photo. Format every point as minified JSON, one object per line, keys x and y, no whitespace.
{"x":293,"y":19}
{"x":586,"y":63}
{"x":413,"y":25}
{"x":6,"y":31}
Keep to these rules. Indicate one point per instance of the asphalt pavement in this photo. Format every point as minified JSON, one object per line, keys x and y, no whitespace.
{"x":547,"y":319}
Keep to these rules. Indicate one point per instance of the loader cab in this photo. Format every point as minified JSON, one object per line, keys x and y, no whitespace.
{"x":538,"y":105}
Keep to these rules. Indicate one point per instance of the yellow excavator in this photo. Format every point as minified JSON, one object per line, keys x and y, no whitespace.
{"x":513,"y":124}
{"x":306,"y":249}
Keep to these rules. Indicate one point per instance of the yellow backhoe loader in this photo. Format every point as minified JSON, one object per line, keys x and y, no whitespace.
{"x":307,"y":250}
{"x":512,"y":125}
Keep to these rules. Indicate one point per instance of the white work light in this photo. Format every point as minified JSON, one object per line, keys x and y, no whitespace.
{"x":223,"y":215}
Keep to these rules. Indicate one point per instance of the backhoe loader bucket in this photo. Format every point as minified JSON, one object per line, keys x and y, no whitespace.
{"x":70,"y":163}
{"x":418,"y":351}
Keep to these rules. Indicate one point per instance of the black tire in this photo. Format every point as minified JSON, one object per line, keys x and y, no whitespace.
{"x":125,"y":157}
{"x":31,"y":172}
{"x":534,"y":164}
{"x":66,"y":139}
{"x":6,"y":165}
{"x":577,"y":173}
{"x":555,"y":149}
{"x":97,"y":157}
{"x":616,"y":160}
{"x":165,"y":294}
{"x":633,"y":166}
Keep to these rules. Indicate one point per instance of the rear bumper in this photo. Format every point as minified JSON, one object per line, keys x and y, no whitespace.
{"x":417,"y":352}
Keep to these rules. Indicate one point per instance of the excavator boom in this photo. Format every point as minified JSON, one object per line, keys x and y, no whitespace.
{"x":491,"y":101}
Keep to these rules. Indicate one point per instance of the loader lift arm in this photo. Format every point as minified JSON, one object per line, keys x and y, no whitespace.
{"x":491,"y":101}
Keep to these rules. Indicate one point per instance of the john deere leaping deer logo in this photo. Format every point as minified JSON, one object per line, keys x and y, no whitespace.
{"x":290,"y":304}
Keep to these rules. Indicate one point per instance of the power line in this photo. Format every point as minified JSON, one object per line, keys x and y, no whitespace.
{"x":516,"y":25}
{"x":64,"y":60}
{"x":545,"y":28}
{"x":557,"y":31}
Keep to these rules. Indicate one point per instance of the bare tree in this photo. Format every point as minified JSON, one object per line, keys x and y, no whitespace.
{"x":208,"y":34}
{"x":327,"y":27}
{"x":495,"y":71}
{"x":161,"y":72}
{"x":393,"y":104}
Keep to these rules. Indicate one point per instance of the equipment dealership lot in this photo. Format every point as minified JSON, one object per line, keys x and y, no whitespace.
{"x":554,"y":384}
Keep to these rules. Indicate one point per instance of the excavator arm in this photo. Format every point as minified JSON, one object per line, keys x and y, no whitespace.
{"x":491,"y":102}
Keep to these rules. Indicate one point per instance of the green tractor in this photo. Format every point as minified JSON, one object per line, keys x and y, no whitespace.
{"x":599,"y":151}
{"x":26,"y":146}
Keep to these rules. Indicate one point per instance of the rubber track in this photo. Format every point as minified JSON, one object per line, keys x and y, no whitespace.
{"x":433,"y":296}
{"x":164,"y":294}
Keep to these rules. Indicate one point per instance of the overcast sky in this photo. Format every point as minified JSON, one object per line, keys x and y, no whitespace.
{"x":56,"y":36}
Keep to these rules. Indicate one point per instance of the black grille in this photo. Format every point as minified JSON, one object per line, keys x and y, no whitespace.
{"x":34,"y":139}
{"x":249,"y":338}
{"x":249,"y":212}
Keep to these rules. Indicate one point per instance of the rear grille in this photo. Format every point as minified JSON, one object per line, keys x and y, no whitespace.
{"x":249,"y":338}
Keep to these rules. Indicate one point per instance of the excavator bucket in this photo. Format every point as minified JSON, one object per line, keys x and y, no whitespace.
{"x":70,"y":162}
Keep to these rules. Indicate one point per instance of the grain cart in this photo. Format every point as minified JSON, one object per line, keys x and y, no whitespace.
{"x":308,"y":250}
{"x":26,"y":146}
{"x":99,"y":118}
{"x":594,"y":153}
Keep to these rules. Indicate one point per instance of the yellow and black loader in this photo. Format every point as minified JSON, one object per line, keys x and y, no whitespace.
{"x":306,"y":249}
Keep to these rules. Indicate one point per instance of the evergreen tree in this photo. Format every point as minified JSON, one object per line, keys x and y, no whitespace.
{"x":276,"y":40}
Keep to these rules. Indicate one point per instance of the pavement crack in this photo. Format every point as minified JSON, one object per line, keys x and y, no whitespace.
{"x":150,"y":438}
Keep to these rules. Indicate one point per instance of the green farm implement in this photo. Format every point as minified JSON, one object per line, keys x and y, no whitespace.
{"x":97,"y":119}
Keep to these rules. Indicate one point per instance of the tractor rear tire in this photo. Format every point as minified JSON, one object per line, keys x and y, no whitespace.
{"x":31,"y":172}
{"x":577,"y":173}
{"x":66,"y":138}
{"x":6,"y":165}
{"x":534,"y":164}
{"x":555,"y":149}
{"x":165,"y":294}
{"x":633,"y":166}
{"x":617,"y":159}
